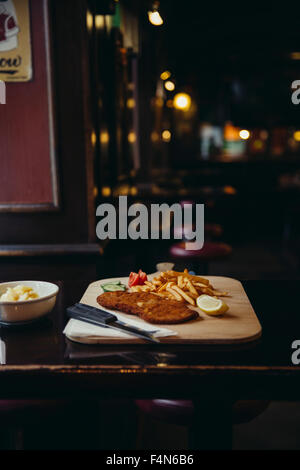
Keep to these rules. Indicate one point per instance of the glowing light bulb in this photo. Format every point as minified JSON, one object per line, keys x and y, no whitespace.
{"x":104,"y":137}
{"x":165,"y":75}
{"x":170,"y":86}
{"x":89,"y":20}
{"x":244,"y":134}
{"x":155,"y":18}
{"x":182,"y":101}
{"x":93,"y":138}
{"x":99,"y":21}
{"x":106,"y":191}
{"x":131,"y":137}
{"x":130,"y":103}
{"x":166,"y":135}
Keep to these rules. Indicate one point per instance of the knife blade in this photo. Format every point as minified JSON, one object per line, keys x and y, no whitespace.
{"x":105,"y":319}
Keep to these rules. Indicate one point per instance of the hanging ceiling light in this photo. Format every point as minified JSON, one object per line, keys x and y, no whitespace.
{"x":154,"y":15}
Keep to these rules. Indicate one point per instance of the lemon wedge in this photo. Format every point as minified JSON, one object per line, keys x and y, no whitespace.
{"x":211,"y":305}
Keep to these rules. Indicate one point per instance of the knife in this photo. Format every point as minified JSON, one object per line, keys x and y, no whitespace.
{"x":99,"y":317}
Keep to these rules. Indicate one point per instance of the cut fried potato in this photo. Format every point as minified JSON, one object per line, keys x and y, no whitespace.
{"x":191,"y":287}
{"x":187,"y":297}
{"x":175,"y":294}
{"x":221,"y":294}
{"x":150,"y":285}
{"x":162,"y":287}
{"x":180,"y":286}
{"x":190,"y":276}
{"x":180,"y":281}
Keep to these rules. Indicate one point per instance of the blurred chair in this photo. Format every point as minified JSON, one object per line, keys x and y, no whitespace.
{"x":182,"y":413}
{"x":198,"y":260}
{"x":211,"y":231}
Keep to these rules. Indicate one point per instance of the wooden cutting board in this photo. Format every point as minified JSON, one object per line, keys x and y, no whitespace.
{"x":239,"y":325}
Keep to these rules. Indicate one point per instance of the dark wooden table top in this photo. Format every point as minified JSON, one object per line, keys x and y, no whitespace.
{"x":37,"y":361}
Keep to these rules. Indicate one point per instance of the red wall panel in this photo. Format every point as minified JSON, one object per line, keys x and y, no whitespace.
{"x":25,"y":163}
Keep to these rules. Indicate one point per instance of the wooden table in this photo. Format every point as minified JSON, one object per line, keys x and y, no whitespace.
{"x":40,"y":362}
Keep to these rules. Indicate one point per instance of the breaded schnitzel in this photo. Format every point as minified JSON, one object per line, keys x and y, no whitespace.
{"x":149,"y":307}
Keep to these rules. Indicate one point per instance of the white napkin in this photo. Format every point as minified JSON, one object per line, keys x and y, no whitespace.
{"x":79,"y":329}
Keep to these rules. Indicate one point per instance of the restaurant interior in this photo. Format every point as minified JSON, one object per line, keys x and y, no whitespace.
{"x":163,"y":102}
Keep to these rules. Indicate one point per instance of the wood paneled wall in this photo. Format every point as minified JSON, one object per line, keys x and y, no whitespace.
{"x":27,"y":154}
{"x":26,"y":176}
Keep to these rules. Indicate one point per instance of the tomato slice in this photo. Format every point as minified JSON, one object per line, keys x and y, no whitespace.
{"x":142,"y":276}
{"x":137,"y":279}
{"x":134,"y":279}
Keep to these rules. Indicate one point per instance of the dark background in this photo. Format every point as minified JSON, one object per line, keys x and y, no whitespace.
{"x":110,"y":108}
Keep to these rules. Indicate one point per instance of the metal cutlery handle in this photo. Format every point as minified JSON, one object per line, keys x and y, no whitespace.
{"x":105,"y":319}
{"x":102,"y":315}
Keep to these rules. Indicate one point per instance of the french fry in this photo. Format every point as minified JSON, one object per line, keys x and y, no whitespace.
{"x":180,"y":281}
{"x":150,"y":285}
{"x":174,"y":294}
{"x":221,"y":294}
{"x":191,"y":277}
{"x":187,"y":297}
{"x":180,"y":286}
{"x":208,"y":291}
{"x":200,"y":284}
{"x":162,"y":287}
{"x":170,"y":284}
{"x":191,"y":287}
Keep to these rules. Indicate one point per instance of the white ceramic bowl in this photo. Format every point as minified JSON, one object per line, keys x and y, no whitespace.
{"x":28,"y":310}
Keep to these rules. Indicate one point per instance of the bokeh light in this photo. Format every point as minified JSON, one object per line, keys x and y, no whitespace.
{"x":131,"y":137}
{"x":169,"y":85}
{"x":244,"y":134}
{"x":89,"y":20}
{"x":166,"y":135}
{"x":182,"y":101}
{"x":130,"y":103}
{"x":155,"y":18}
{"x":104,"y":137}
{"x":154,"y":136}
{"x":165,"y":75}
{"x":106,"y":191}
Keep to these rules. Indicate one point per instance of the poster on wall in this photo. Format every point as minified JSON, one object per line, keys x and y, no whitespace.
{"x":15,"y":43}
